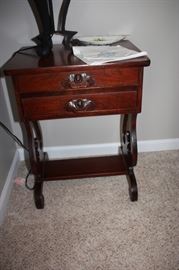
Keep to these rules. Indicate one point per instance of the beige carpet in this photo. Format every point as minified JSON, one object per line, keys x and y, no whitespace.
{"x":91,"y":224}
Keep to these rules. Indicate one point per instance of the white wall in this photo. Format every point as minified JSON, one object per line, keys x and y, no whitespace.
{"x":153,"y":26}
{"x":7,"y":145}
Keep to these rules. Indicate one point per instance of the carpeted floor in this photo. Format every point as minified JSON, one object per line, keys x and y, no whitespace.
{"x":91,"y":224}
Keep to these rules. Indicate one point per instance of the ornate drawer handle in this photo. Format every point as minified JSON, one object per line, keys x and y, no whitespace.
{"x":83,"y":104}
{"x":78,"y":80}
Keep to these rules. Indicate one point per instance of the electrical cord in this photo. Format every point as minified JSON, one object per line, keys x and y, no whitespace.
{"x":16,"y":139}
{"x":26,"y":181}
{"x":22,"y":51}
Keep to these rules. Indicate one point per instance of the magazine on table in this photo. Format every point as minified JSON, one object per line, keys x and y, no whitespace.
{"x":95,"y":55}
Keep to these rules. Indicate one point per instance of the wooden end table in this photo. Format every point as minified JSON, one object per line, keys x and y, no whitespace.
{"x":62,"y":86}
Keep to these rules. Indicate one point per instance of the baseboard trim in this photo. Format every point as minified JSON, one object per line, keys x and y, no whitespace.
{"x":5,"y":194}
{"x":158,"y":145}
{"x":87,"y":150}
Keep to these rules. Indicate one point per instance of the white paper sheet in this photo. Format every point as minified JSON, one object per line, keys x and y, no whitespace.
{"x":95,"y":55}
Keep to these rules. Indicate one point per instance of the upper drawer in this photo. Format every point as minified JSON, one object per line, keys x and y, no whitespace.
{"x":96,"y":78}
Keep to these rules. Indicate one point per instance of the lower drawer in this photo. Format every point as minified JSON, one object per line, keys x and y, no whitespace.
{"x":38,"y":108}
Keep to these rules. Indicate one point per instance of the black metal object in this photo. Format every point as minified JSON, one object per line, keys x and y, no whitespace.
{"x":61,"y":25}
{"x":43,"y":12}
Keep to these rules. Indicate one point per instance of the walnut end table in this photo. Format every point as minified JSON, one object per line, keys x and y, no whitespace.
{"x":62,"y":86}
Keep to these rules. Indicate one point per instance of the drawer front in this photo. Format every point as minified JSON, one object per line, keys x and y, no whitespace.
{"x":96,"y":78}
{"x":48,"y":107}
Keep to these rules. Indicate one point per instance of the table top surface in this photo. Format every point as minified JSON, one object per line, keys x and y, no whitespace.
{"x":61,"y":59}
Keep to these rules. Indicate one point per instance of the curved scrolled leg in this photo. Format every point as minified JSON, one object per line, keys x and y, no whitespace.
{"x":38,"y":196}
{"x":36,"y":155}
{"x":129,"y":151}
{"x":38,"y":140}
{"x":129,"y":138}
{"x":133,"y":190}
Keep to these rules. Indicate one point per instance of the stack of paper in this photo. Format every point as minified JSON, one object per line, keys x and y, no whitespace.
{"x":95,"y":55}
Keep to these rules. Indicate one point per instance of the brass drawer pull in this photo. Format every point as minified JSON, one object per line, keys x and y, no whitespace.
{"x":83,"y":104}
{"x":78,"y":80}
